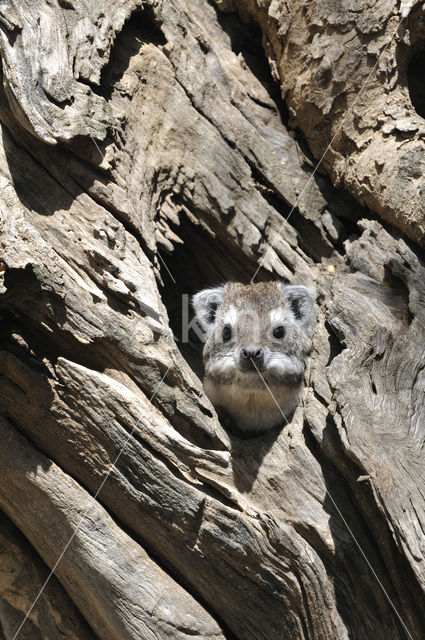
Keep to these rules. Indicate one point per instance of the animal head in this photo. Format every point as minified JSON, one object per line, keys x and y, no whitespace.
{"x":262,"y":328}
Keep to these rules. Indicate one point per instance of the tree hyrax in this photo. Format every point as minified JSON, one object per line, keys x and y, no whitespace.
{"x":257,"y":339}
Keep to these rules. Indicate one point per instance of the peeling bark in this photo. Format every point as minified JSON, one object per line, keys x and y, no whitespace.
{"x":146,"y":153}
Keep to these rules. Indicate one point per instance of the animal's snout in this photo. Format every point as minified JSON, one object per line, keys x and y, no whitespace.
{"x":252,"y":355}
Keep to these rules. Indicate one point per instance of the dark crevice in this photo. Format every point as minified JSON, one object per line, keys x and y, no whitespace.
{"x":65,"y":102}
{"x":370,"y":528}
{"x":40,"y":349}
{"x":42,"y":329}
{"x":91,"y":84}
{"x":246,"y":39}
{"x":11,"y":31}
{"x":142,"y":27}
{"x":335,"y":344}
{"x":268,"y":191}
{"x":12,"y":421}
{"x":412,"y":61}
{"x":310,"y":238}
{"x":309,"y":623}
{"x":15,"y":337}
{"x":14,"y":150}
{"x":415,"y":82}
{"x":210,"y":261}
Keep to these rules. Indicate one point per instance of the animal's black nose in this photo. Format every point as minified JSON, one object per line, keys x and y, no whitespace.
{"x":254,"y":353}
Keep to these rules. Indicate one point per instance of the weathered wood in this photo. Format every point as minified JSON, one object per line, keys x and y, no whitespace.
{"x":323,"y":55}
{"x":130,"y":594}
{"x":196,"y":532}
{"x":22,"y":575}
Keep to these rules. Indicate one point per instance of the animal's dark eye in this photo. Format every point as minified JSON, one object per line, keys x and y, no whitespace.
{"x":227,"y":333}
{"x":279,"y":332}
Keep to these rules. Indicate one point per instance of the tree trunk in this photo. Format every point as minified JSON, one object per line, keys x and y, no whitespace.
{"x":146,"y":153}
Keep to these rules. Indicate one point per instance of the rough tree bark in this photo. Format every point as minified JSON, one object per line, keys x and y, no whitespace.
{"x":145,"y":153}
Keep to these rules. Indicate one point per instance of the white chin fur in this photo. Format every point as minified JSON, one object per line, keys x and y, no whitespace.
{"x":229,"y":367}
{"x":283,"y":365}
{"x":254,"y":409}
{"x":221,"y":366}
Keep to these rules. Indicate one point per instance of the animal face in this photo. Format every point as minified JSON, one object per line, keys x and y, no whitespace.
{"x":255,"y":333}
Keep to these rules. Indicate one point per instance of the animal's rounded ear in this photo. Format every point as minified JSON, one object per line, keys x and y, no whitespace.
{"x":205,"y":304}
{"x":300,"y":301}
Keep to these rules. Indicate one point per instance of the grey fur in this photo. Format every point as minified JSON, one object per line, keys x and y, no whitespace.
{"x":232,"y":379}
